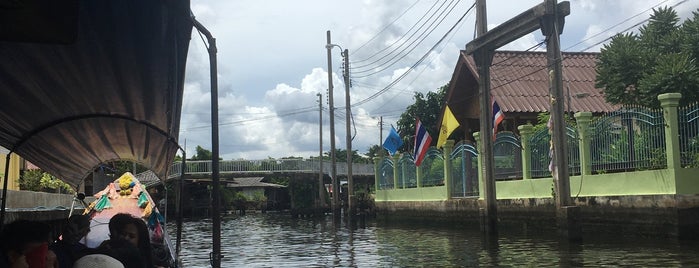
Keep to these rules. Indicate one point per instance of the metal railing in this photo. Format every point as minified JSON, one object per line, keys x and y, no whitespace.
{"x":689,"y":135}
{"x":631,"y":138}
{"x":270,"y":166}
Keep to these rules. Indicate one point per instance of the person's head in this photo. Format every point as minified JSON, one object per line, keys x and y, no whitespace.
{"x":125,"y":227}
{"x":25,"y":239}
{"x":77,"y":227}
{"x":127,"y":254}
{"x":97,"y":261}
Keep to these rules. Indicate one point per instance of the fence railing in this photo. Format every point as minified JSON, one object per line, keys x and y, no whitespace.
{"x":540,"y":143}
{"x":689,"y":135}
{"x":630,"y":139}
{"x":270,"y":166}
{"x":464,"y":170}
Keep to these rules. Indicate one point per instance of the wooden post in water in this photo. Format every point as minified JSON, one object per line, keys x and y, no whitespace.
{"x":482,"y":49}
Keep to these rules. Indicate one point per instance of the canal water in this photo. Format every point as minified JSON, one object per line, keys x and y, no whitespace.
{"x":277,"y":240}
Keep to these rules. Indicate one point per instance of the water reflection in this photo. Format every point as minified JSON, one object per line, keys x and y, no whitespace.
{"x":277,"y":240}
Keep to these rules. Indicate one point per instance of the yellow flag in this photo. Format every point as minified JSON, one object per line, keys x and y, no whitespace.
{"x":449,"y":123}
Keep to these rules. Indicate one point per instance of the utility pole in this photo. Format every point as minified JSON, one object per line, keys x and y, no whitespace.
{"x":333,"y":160}
{"x":321,"y":185}
{"x":552,"y":30}
{"x":351,"y":203}
{"x":484,"y":58}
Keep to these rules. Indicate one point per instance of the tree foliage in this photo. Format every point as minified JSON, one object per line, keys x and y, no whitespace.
{"x":39,"y":181}
{"x":662,"y":58}
{"x":427,"y":108}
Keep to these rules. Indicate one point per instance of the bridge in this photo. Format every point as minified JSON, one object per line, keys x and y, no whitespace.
{"x":268,"y":166}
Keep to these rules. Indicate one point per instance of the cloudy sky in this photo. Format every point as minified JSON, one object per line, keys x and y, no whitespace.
{"x":272,"y":63}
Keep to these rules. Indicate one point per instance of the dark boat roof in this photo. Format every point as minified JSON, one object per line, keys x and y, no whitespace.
{"x":103,"y":81}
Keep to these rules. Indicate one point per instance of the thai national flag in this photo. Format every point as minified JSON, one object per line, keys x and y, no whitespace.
{"x":498,"y":116}
{"x":422,"y":142}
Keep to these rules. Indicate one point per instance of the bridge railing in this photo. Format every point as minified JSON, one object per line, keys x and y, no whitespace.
{"x":269,"y":166}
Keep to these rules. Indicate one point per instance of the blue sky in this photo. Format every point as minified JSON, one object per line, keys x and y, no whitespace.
{"x":272,"y":63}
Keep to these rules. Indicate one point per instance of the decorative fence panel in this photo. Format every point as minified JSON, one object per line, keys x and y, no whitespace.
{"x":407,"y":175}
{"x":631,"y":138}
{"x":689,"y":135}
{"x":464,"y":159}
{"x":386,"y":176}
{"x":507,"y":151}
{"x":432,"y":168}
{"x":540,"y":142}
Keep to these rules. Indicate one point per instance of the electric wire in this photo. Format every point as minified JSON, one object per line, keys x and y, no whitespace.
{"x":615,"y":25}
{"x":404,"y":91}
{"x":385,"y":27}
{"x":269,"y":116}
{"x":628,"y":28}
{"x":395,"y":59}
{"x":404,"y":40}
{"x":398,"y":79}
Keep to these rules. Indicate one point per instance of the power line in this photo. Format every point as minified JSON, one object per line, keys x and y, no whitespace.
{"x":271,"y":116}
{"x":402,"y":37}
{"x":396,"y":58}
{"x":615,"y":25}
{"x":627,"y":29}
{"x":386,"y":27}
{"x":419,"y":74}
{"x":394,"y":82}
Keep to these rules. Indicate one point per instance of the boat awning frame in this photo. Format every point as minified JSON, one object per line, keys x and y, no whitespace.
{"x":112,"y":92}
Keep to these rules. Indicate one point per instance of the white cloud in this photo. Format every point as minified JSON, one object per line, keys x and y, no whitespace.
{"x":272,"y":63}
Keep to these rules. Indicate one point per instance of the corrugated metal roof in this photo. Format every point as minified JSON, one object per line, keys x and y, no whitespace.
{"x":519,"y":82}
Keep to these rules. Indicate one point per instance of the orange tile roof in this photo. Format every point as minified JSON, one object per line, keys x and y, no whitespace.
{"x":519,"y":81}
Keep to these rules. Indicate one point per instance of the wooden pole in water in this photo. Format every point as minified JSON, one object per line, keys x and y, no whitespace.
{"x":215,"y":256}
{"x":484,"y":58}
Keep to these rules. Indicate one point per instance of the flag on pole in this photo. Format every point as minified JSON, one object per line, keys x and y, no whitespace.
{"x":498,"y":116}
{"x":422,"y":142}
{"x":392,"y":142}
{"x":449,"y":124}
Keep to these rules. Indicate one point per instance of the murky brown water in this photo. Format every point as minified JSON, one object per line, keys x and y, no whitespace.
{"x":277,"y":240}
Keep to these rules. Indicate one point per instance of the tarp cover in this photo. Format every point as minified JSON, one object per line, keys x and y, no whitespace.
{"x":113,"y":93}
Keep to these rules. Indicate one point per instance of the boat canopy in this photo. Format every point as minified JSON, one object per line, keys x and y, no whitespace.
{"x":85,"y":82}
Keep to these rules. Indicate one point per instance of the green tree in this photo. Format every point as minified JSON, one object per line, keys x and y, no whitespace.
{"x":374,"y":151}
{"x":341,"y":156}
{"x":427,"y":108}
{"x":39,"y":181}
{"x":634,"y":68}
{"x":202,"y":154}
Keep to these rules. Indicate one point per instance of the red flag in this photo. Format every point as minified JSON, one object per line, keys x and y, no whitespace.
{"x":422,"y":142}
{"x":498,"y":116}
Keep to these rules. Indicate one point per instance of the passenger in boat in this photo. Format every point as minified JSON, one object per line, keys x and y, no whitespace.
{"x":123,"y":226}
{"x":68,"y":248}
{"x":24,"y":243}
{"x":98,"y":261}
{"x":128,"y":254}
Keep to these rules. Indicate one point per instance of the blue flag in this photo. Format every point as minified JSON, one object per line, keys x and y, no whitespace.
{"x":392,"y":142}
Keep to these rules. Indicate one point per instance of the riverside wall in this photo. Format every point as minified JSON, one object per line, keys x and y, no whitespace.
{"x":672,"y":215}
